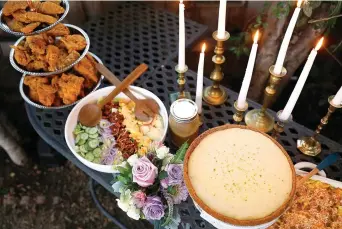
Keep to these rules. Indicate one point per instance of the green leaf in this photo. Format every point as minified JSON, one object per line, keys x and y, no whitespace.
{"x":258,"y":19}
{"x":162,"y":175}
{"x":245,"y":50}
{"x":307,"y":9}
{"x":265,"y":25}
{"x":171,"y":190}
{"x":122,"y":170}
{"x":180,"y":154}
{"x":232,"y":49}
{"x":256,"y":26}
{"x":123,"y":179}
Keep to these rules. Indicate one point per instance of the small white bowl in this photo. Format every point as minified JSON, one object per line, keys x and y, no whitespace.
{"x":93,"y":97}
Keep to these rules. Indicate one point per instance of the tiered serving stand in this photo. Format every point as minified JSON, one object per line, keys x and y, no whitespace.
{"x":134,"y":33}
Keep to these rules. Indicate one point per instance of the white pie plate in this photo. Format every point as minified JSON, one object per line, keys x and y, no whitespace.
{"x":299,"y":166}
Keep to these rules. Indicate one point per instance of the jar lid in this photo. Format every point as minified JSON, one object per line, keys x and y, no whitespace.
{"x":183,"y":110}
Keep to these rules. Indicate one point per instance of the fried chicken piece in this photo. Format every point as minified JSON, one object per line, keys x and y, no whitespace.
{"x":32,"y":82}
{"x":46,"y":94}
{"x":52,"y":54}
{"x":54,"y":81}
{"x":58,"y":30}
{"x":68,"y":60}
{"x":70,"y":87}
{"x":57,"y":2}
{"x":58,"y":102}
{"x":86,"y":67}
{"x":21,"y":56}
{"x":30,"y":27}
{"x":37,"y":65}
{"x":74,"y":42}
{"x":40,"y":57}
{"x":61,"y":45}
{"x":12,"y":6}
{"x":13,"y":24}
{"x":34,"y":16}
{"x":28,"y":17}
{"x":21,"y":15}
{"x":50,"y":8}
{"x":37,"y":44}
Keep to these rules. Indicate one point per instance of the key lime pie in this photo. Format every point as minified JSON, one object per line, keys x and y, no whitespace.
{"x":239,"y":175}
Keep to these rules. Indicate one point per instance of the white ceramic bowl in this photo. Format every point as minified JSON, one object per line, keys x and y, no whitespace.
{"x":92,"y":98}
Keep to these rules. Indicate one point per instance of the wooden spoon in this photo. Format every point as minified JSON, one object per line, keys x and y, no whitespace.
{"x":329,"y":160}
{"x":91,"y":114}
{"x":145,"y":109}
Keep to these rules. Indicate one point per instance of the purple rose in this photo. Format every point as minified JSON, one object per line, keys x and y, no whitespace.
{"x":144,"y":172}
{"x":139,"y":198}
{"x":164,"y":182}
{"x":154,"y":208}
{"x":175,"y":174}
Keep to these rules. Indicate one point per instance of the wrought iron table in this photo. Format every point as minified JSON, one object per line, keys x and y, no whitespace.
{"x":125,"y":38}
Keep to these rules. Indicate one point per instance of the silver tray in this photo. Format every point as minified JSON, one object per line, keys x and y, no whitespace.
{"x":24,"y":91}
{"x":4,"y":27}
{"x":73,"y":30}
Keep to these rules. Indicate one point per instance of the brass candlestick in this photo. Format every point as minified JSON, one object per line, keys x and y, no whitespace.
{"x":239,"y":113}
{"x":279,"y":126}
{"x":215,"y":94}
{"x":181,"y":85}
{"x":259,"y":118}
{"x":310,"y":145}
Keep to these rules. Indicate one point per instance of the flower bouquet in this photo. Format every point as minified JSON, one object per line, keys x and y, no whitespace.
{"x":151,"y":185}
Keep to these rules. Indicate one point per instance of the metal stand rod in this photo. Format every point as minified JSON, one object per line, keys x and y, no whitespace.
{"x":91,"y":186}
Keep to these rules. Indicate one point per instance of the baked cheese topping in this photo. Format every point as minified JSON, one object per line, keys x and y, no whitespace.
{"x":240,"y":173}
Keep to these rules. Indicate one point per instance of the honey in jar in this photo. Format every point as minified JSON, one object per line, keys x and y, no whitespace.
{"x":184,"y":121}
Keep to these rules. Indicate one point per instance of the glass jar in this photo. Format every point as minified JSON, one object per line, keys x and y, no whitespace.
{"x":184,"y":121}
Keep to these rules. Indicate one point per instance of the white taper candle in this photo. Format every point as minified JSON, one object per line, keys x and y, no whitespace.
{"x":337,"y":100}
{"x":300,"y":83}
{"x":248,"y":74}
{"x":286,"y":40}
{"x":221,"y":27}
{"x":181,"y":44}
{"x":199,"y":87}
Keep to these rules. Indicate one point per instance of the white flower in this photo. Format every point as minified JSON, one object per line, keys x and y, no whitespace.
{"x":132,"y":159}
{"x":133,"y":212}
{"x":123,"y":205}
{"x":125,"y":200}
{"x":117,"y":186}
{"x":162,"y":152}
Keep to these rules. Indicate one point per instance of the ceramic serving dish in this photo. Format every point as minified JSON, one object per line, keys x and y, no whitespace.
{"x":72,"y":120}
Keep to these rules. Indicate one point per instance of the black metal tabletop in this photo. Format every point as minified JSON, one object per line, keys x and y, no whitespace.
{"x":125,"y":38}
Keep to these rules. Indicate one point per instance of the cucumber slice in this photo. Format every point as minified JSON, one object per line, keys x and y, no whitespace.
{"x":89,"y":149}
{"x":93,"y":143}
{"x":83,"y":154}
{"x":83,"y":149}
{"x":78,"y":138}
{"x":93,"y":135}
{"x":77,"y":148}
{"x":84,"y":136}
{"x":92,"y":130}
{"x":89,"y":157}
{"x":81,"y":142}
{"x":97,"y":152}
{"x":97,"y":160}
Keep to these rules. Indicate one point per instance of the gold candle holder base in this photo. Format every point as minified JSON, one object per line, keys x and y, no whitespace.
{"x":279,"y":126}
{"x":239,"y":113}
{"x":215,"y":94}
{"x":310,"y":145}
{"x":181,"y":84}
{"x":259,"y":118}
